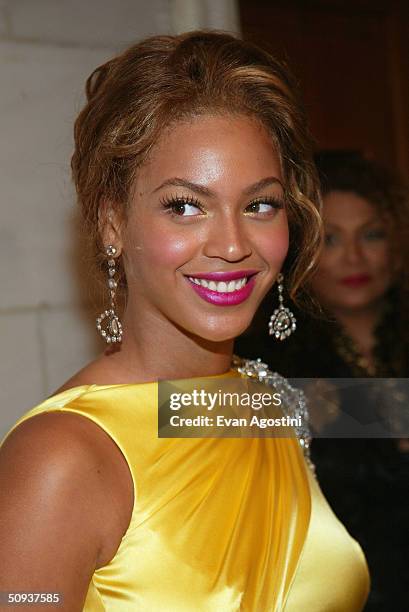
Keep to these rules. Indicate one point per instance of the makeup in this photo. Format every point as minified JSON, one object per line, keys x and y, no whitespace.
{"x":223,"y":288}
{"x":356,"y":280}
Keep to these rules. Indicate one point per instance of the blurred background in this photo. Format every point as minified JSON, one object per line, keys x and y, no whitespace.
{"x":352,"y":61}
{"x":350,"y":57}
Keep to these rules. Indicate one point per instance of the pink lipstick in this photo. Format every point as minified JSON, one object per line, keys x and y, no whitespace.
{"x":224,"y":298}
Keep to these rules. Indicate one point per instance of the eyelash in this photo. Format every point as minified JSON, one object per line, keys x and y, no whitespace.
{"x":170,"y":203}
{"x":332,"y":239}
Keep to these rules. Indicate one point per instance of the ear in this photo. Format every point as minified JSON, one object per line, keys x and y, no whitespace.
{"x":110,"y":221}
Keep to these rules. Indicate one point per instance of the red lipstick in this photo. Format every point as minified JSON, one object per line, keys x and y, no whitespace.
{"x":355,"y":280}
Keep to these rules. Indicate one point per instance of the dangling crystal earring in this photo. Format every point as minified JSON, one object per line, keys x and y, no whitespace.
{"x":108,"y":324}
{"x":282,"y":322}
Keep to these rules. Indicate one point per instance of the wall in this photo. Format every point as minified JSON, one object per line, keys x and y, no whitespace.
{"x":351,"y":58}
{"x":47,"y":49}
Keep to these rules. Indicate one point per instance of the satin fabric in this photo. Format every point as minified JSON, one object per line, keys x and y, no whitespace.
{"x":218,"y":525}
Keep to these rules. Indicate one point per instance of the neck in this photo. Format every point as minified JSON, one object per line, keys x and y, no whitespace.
{"x":360,"y":324}
{"x":153,"y":349}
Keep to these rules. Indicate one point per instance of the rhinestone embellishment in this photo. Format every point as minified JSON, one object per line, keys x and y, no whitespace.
{"x":108,"y":323}
{"x":282,"y":322}
{"x":109,"y":326}
{"x":294,"y":402}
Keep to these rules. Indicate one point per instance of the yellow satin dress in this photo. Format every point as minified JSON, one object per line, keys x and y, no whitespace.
{"x":218,"y":525}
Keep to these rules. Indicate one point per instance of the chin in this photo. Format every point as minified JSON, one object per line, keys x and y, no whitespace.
{"x":355,"y":304}
{"x":218,"y":335}
{"x":221,"y":331}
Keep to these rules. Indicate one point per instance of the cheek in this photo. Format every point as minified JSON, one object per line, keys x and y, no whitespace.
{"x":167,"y":250}
{"x":325,"y":274}
{"x":158,"y":248}
{"x":380,"y":259}
{"x":382,"y":269}
{"x":273,"y":245}
{"x":327,"y":266}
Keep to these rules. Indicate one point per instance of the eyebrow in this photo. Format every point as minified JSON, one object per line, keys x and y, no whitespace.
{"x":373,"y":221}
{"x":205,"y":191}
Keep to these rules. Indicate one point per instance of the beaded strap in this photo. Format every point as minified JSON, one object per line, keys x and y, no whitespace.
{"x":294,"y":404}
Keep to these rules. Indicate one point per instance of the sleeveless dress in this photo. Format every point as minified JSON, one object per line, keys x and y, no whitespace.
{"x":218,"y":524}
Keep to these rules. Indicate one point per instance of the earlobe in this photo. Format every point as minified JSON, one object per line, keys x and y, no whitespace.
{"x":109,"y":224}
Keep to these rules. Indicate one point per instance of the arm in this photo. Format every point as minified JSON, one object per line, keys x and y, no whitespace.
{"x":53,"y":508}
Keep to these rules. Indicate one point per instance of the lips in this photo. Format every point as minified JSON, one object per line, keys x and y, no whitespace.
{"x":356,"y":280}
{"x":224,"y":276}
{"x":223,"y":288}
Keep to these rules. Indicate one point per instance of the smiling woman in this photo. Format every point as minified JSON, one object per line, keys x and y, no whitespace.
{"x":194,"y":175}
{"x":222,"y":219}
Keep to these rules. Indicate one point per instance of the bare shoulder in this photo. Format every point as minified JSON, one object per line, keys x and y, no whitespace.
{"x":101,"y":371}
{"x":65,"y":502}
{"x":72,"y":453}
{"x":92,"y":373}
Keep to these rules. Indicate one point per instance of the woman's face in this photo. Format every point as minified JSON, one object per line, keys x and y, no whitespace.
{"x":207,"y":232}
{"x":355,"y":269}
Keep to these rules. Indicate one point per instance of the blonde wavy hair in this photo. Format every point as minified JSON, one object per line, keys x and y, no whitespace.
{"x":133,"y":97}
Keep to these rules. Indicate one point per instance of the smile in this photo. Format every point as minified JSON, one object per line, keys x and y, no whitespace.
{"x":221,"y":286}
{"x":224,"y":288}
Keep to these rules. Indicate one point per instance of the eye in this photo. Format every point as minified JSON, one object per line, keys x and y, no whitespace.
{"x":265,"y":206}
{"x":330,"y":240}
{"x":182,"y":207}
{"x":374,"y":234}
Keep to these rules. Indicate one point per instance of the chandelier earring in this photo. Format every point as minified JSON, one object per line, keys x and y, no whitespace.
{"x":282,"y":322}
{"x":108,"y":323}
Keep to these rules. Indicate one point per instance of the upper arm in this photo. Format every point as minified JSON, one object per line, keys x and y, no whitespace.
{"x":51,"y":508}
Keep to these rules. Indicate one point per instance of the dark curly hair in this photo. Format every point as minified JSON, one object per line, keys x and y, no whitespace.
{"x":387,"y":192}
{"x":350,"y":171}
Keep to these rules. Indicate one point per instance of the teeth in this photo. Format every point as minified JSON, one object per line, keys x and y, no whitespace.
{"x":221,"y":286}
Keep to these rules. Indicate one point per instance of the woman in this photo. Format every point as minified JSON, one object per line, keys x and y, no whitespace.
{"x":192,"y":166}
{"x":361,"y":282}
{"x":362,"y":278}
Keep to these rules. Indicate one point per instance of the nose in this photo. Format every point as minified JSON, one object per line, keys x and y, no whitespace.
{"x":353,"y":251}
{"x":227,"y":239}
